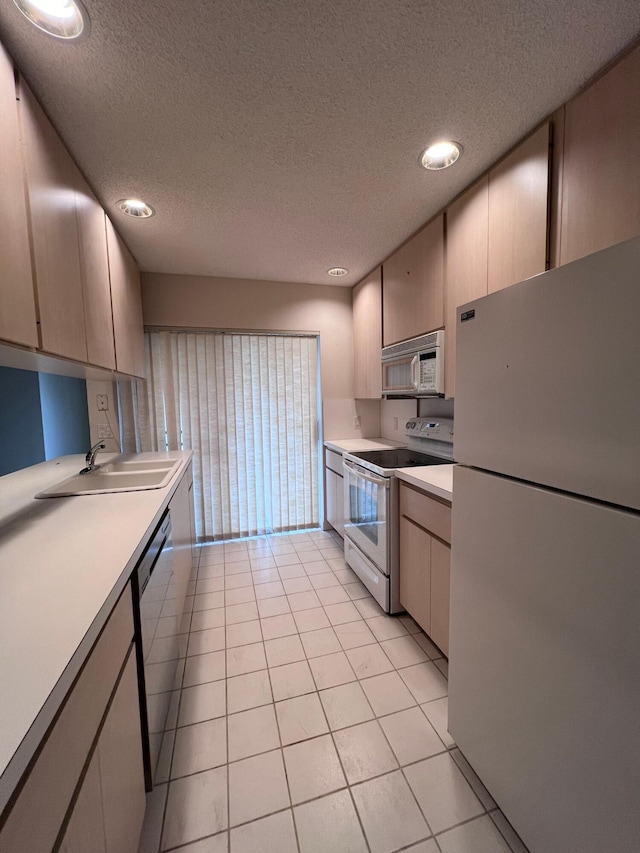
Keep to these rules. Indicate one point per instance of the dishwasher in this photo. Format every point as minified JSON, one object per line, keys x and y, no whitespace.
{"x":156,"y":640}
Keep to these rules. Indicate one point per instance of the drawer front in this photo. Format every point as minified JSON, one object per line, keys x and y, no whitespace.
{"x":51,"y":783}
{"x":426,"y":511}
{"x":334,"y":461}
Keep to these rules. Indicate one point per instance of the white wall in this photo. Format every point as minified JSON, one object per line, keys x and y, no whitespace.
{"x":109,"y":417}
{"x":223,"y":303}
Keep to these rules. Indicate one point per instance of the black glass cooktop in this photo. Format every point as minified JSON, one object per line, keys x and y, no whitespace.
{"x":400,"y":458}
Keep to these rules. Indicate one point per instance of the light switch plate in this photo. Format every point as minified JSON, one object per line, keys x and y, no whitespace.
{"x":103,"y":402}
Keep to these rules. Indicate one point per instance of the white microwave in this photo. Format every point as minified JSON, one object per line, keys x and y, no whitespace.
{"x":414,"y":368}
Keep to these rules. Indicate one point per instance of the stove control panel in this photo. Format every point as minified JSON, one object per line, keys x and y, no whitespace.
{"x":435,"y":429}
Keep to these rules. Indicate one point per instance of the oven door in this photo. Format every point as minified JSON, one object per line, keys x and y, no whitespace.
{"x":366,"y":513}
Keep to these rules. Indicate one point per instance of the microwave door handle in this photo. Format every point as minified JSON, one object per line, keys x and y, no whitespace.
{"x":415,"y":373}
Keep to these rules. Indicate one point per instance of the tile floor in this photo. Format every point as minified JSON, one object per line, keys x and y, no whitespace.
{"x":308,"y":720}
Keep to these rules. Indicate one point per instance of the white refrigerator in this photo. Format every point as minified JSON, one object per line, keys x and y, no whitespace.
{"x":544,"y":691}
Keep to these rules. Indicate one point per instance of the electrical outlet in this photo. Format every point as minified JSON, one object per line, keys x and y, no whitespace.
{"x":104,"y":431}
{"x":395,"y":423}
{"x":356,"y":422}
{"x":103,"y":402}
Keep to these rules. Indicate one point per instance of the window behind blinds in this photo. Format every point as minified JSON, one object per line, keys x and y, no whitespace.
{"x":247,"y":405}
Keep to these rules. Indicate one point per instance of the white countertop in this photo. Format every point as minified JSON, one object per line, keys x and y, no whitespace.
{"x":63,"y":564}
{"x":353,"y":445}
{"x":435,"y":479}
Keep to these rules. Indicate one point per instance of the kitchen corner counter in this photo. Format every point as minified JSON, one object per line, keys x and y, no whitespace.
{"x":437,"y":480}
{"x":64,"y":563}
{"x":354,"y":445}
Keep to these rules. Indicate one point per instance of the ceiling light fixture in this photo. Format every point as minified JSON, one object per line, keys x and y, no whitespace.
{"x":337,"y":271}
{"x":440,"y":155}
{"x":64,"y":19}
{"x":136,"y":207}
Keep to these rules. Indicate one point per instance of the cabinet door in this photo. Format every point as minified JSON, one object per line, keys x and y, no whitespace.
{"x":121,"y":773}
{"x":466,"y":250}
{"x":335,"y":500}
{"x":85,"y":830}
{"x":126,"y":301}
{"x":440,"y":586}
{"x":94,"y":268}
{"x":601,"y":172}
{"x":51,"y":182}
{"x":518,"y":212}
{"x":367,"y":337}
{"x":182,"y":541}
{"x":413,"y":286}
{"x":17,"y":303}
{"x":415,"y":572}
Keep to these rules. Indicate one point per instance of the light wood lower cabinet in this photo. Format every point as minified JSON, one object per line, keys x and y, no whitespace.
{"x":120,"y":757}
{"x":85,"y":830}
{"x":181,"y":508}
{"x":107,"y":813}
{"x":415,"y":572}
{"x":55,"y":801}
{"x":334,"y":490}
{"x":425,"y":559}
{"x":440,"y":587}
{"x":335,"y":501}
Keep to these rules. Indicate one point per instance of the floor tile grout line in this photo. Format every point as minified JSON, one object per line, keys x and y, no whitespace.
{"x":317,"y":691}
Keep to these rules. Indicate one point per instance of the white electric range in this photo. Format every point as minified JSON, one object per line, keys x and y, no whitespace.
{"x":371,"y":546}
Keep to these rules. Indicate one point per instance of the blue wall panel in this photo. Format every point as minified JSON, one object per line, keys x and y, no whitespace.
{"x":21,"y":434}
{"x":65,"y":419}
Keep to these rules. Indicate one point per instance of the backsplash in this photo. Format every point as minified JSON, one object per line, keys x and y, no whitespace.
{"x":41,"y":416}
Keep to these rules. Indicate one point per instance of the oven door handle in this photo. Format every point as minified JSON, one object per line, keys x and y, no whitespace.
{"x":366,"y":475}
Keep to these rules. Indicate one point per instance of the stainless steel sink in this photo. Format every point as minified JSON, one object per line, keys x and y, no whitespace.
{"x":121,"y":475}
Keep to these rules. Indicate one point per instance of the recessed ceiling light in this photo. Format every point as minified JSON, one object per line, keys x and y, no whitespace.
{"x":64,"y":19}
{"x":136,"y":207}
{"x":440,"y":155}
{"x":337,"y":271}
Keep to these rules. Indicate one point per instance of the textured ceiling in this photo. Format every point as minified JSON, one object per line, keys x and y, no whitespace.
{"x":277,"y":138}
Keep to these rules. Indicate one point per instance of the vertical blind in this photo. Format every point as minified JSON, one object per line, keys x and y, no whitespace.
{"x":247,"y":405}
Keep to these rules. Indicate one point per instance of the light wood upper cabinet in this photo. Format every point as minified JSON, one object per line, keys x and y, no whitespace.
{"x":94,"y":268}
{"x":126,"y":303}
{"x":17,"y":303}
{"x":367,"y":336}
{"x":413,"y":286}
{"x":51,"y":184}
{"x":601,"y":170}
{"x":466,"y":251}
{"x":518,"y":212}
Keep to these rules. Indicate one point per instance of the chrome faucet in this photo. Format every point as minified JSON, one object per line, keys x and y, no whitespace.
{"x":90,"y":458}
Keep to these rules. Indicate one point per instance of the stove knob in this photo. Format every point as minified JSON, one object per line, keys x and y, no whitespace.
{"x":408,"y":425}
